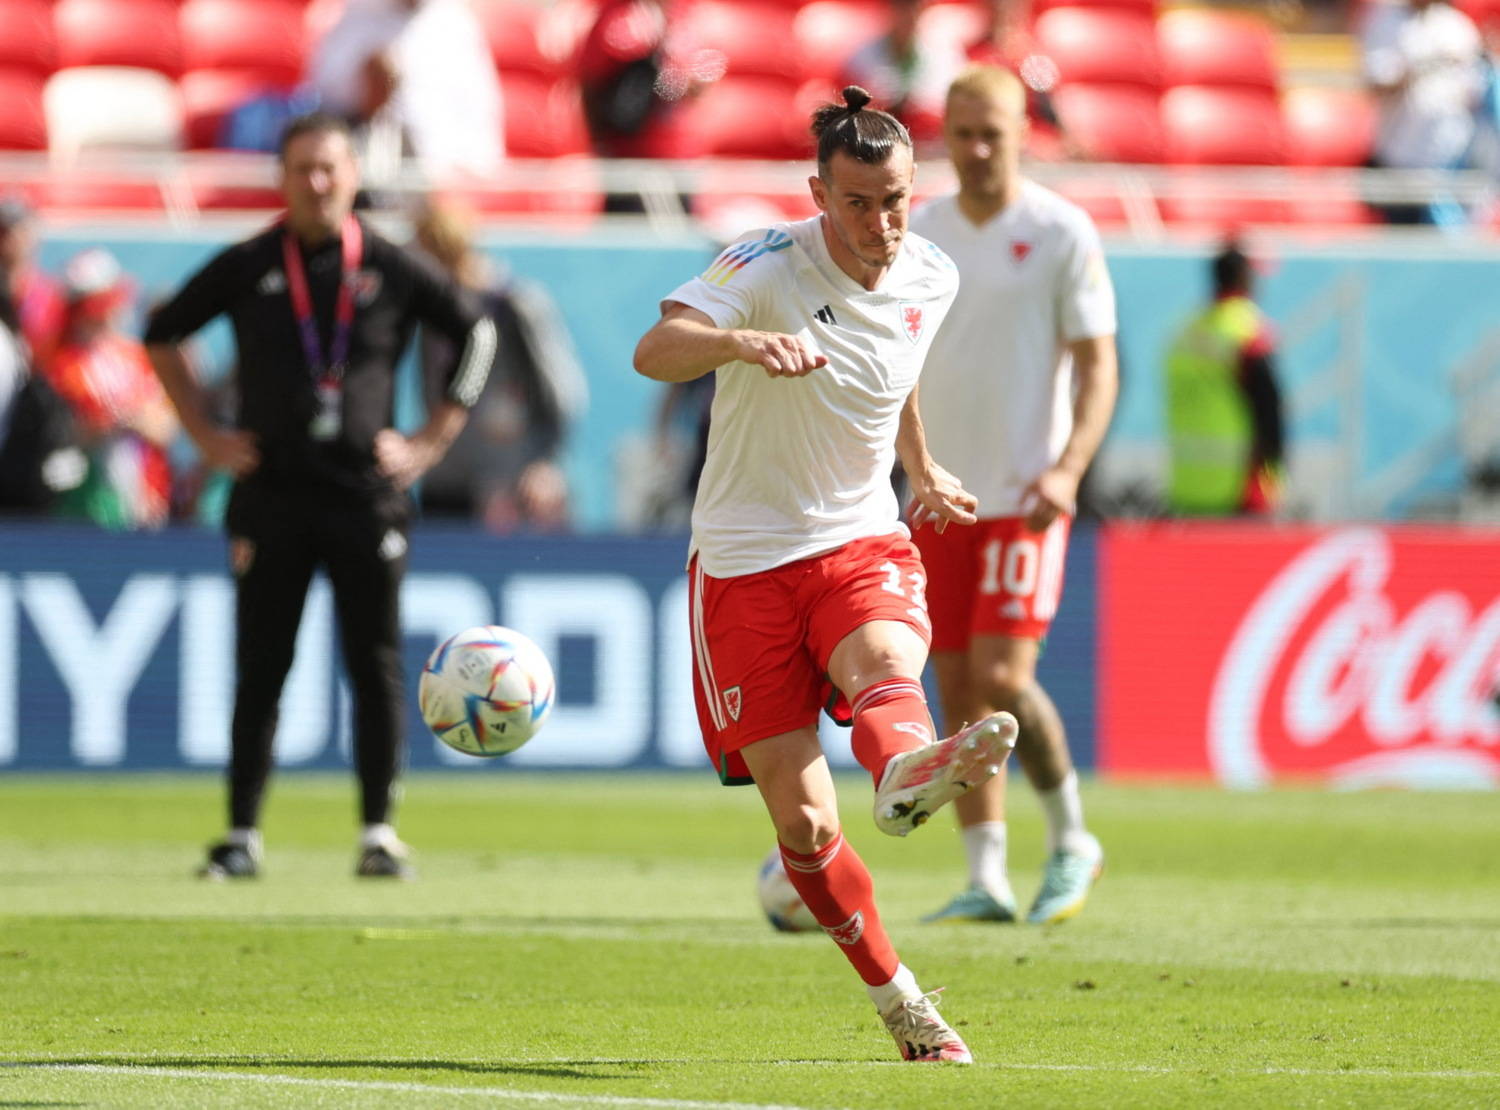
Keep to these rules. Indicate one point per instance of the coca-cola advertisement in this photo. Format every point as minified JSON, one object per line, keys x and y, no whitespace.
{"x":1357,"y":656}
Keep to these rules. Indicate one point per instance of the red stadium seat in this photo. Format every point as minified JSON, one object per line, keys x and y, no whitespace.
{"x":1100,"y":199}
{"x":263,"y":35}
{"x":1203,"y":47}
{"x":570,"y":196}
{"x":957,"y":24}
{"x":1113,"y":123}
{"x":27,"y":39}
{"x":1101,"y":44}
{"x":1328,"y":127}
{"x":1329,"y":204}
{"x":1222,"y":126}
{"x":101,"y":193}
{"x":529,"y":37}
{"x":139,"y":33}
{"x":828,"y":31}
{"x":209,"y":95}
{"x":751,"y":117}
{"x":543,"y":117}
{"x":753,"y":38}
{"x":1147,"y":6}
{"x":23,"y":123}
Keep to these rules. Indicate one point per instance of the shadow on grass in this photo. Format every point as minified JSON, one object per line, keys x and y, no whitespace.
{"x":208,"y":1065}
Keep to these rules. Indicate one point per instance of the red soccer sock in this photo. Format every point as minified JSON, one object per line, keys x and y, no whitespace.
{"x":836,"y":886}
{"x":890,"y":717}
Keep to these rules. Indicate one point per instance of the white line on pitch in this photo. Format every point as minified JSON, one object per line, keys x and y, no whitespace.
{"x":493,"y":1093}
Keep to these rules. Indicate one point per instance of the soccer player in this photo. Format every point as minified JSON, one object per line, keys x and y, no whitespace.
{"x":804,"y":582}
{"x":1021,"y":383}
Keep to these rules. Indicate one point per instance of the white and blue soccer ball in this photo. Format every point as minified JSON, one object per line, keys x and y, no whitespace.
{"x":779,"y":899}
{"x":486,"y":691}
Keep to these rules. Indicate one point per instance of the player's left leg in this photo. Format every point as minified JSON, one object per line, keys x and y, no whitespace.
{"x":366,"y":560}
{"x":794,"y":781}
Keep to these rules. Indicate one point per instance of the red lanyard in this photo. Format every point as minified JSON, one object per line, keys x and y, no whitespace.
{"x":328,"y":374}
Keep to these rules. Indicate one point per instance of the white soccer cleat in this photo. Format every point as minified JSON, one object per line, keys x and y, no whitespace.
{"x":921,"y":1034}
{"x":919,"y":782}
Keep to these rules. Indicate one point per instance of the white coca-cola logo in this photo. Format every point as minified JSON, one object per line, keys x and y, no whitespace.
{"x":1358,"y":669}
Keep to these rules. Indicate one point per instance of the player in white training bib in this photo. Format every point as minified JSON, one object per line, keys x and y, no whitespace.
{"x":804,"y":581}
{"x":1018,"y":393}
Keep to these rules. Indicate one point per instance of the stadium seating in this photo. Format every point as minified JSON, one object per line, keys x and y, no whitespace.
{"x":1201,"y":46}
{"x":111,"y":107}
{"x":527,"y":37}
{"x":754,"y":39}
{"x":1147,"y":6}
{"x":1328,"y":126}
{"x":752,"y":117}
{"x":137,"y":33}
{"x":1211,"y":125}
{"x":27,"y":39}
{"x":23,"y":124}
{"x":210,"y":95}
{"x":543,"y":116}
{"x":258,"y":35}
{"x":1101,"y":44}
{"x":1113,"y":123}
{"x":828,"y":31}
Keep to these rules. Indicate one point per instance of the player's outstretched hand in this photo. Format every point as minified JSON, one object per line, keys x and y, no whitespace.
{"x":781,"y":356}
{"x":231,"y":449}
{"x":937,"y":496}
{"x":1054,"y":493}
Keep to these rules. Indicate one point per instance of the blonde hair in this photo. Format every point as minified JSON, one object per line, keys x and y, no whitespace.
{"x":445,"y":230}
{"x":991,"y":83}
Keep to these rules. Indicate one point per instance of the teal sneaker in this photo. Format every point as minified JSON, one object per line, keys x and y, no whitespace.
{"x":976,"y":904}
{"x":1065,"y":886}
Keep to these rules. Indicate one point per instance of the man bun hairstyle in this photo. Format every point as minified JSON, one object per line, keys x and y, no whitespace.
{"x":865,"y":134}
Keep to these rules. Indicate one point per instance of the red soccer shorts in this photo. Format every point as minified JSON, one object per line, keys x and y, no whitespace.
{"x":761,"y":642}
{"x":995,"y":579}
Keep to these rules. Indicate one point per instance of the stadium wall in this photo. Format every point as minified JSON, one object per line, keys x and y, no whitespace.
{"x":1390,"y":356}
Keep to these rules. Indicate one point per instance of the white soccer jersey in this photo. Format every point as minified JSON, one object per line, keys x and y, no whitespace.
{"x":997,"y":397}
{"x":799,"y":466}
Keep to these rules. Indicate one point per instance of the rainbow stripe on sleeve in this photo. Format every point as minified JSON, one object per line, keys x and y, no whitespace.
{"x":737,"y":257}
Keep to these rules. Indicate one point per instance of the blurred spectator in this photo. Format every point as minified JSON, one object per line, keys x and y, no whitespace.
{"x":38,"y":453}
{"x":1224,"y":420}
{"x":124,"y":419}
{"x":1008,"y":42}
{"x":637,"y":70}
{"x":1423,"y":59}
{"x":906,"y":72}
{"x":680,"y":446}
{"x":503,"y":467}
{"x":413,"y":77}
{"x":33,"y":296}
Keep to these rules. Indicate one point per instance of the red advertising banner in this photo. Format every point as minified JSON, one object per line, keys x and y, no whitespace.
{"x":1355,"y":656}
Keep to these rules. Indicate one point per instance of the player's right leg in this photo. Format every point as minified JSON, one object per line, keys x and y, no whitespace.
{"x":272,"y":562}
{"x":834,"y":884}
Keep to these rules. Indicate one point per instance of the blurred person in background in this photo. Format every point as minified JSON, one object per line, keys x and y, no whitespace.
{"x":907,"y":72}
{"x":413,"y":77}
{"x":1008,"y":42}
{"x":1224,"y":414}
{"x":503,"y":469}
{"x":806,"y":591}
{"x":1018,"y":390}
{"x":322,"y":308}
{"x":35,"y":298}
{"x":1424,"y":61}
{"x":123,"y":417}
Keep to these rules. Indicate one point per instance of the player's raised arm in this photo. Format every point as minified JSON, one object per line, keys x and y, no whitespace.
{"x":936,"y":495}
{"x":685,"y":344}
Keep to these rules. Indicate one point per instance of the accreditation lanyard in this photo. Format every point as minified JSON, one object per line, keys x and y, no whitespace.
{"x":328,"y":375}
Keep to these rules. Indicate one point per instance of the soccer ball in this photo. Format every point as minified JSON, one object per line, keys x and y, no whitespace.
{"x":486,"y":691}
{"x":782,"y":904}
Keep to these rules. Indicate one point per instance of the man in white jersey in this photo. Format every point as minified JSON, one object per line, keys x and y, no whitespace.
{"x":804,"y":581}
{"x":1019,"y":390}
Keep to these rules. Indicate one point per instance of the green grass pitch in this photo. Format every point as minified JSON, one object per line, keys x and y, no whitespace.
{"x":594,"y":941}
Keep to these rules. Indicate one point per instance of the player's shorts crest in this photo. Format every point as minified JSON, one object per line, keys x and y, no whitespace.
{"x":733,"y":702}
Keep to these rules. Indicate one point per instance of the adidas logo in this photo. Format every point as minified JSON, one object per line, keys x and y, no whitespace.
{"x":824,"y":315}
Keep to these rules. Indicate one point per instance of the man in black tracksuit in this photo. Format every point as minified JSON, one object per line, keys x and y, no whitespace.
{"x":322,"y":309}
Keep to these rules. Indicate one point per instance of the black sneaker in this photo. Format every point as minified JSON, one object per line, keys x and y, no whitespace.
{"x":229,"y":861}
{"x":381,"y":862}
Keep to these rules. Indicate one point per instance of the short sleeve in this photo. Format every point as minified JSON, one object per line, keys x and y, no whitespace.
{"x":1085,"y":295}
{"x":732,"y":291}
